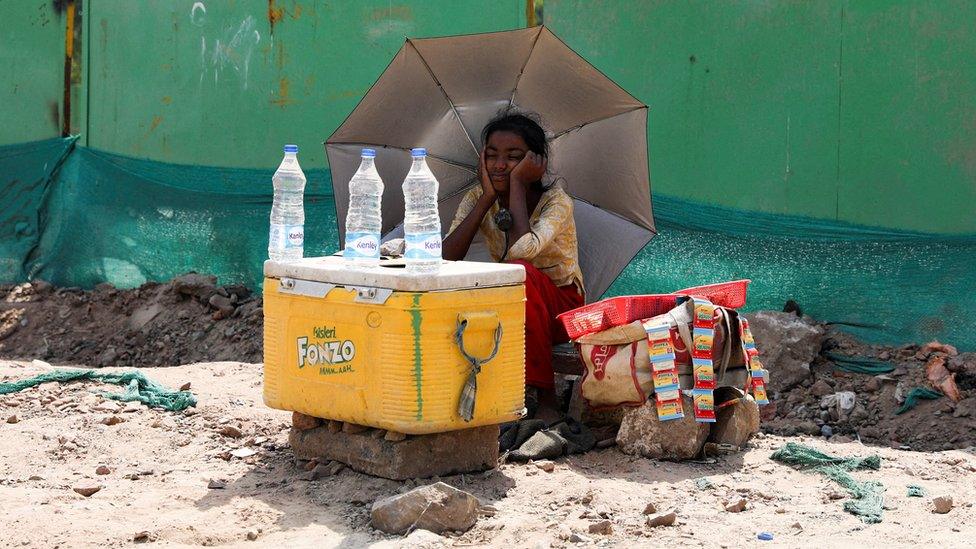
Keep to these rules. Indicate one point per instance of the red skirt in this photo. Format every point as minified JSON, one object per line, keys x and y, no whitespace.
{"x":543,"y":301}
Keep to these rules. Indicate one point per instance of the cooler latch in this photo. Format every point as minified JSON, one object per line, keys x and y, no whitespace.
{"x":306,"y":288}
{"x":376,"y":296}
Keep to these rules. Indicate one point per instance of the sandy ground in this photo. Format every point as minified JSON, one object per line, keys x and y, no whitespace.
{"x":160,"y":464}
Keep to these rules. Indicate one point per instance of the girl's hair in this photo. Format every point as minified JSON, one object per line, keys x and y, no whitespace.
{"x":524,"y":125}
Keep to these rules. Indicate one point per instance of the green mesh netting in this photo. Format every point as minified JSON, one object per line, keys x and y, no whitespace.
{"x":111,"y":218}
{"x":860,"y":364}
{"x":138,"y":387}
{"x":916,"y":394}
{"x":25,"y":175}
{"x":128,"y":221}
{"x":867,"y":497}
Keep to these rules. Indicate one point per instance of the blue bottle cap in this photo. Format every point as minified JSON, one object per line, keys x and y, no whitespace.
{"x":418,"y":152}
{"x":291,"y":148}
{"x":369,"y":153}
{"x":765,"y":536}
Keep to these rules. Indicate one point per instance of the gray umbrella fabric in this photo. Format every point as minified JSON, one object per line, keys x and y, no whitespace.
{"x":439,"y":93}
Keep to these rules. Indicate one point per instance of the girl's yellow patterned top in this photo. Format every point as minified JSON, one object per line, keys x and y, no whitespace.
{"x":550,"y":245}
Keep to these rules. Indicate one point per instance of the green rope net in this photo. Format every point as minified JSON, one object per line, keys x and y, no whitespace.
{"x":138,"y":387}
{"x":860,"y":364}
{"x":867,"y":497}
{"x":915,"y":491}
{"x":916,"y":394}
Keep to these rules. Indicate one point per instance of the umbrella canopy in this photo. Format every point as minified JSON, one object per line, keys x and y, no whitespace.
{"x":439,"y":93}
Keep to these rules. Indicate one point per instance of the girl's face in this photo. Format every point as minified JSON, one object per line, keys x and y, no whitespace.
{"x":503,"y":152}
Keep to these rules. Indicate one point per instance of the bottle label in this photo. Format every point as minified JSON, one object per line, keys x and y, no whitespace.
{"x":423,"y":246}
{"x":362,"y":246}
{"x":286,"y":237}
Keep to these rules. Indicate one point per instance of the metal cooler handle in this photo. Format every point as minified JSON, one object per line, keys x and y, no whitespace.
{"x":470,"y":388}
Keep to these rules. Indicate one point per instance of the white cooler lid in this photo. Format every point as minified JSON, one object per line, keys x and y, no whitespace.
{"x":453,"y":275}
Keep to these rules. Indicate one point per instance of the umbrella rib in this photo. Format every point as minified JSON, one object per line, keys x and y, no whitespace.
{"x":454,"y":163}
{"x":595,"y":120}
{"x":447,"y":97}
{"x":511,"y":100}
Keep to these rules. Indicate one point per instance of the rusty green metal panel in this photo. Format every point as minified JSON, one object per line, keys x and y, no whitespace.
{"x":227,"y":83}
{"x":908,"y":115}
{"x":31,"y":70}
{"x":858,"y":112}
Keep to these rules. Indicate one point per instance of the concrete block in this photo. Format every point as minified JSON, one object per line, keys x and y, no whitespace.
{"x":416,"y":456}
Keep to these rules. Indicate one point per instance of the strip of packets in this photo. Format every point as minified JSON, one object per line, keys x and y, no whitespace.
{"x":667,"y":391}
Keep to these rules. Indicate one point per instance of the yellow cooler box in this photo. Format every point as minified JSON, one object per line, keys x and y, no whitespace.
{"x":379,"y":347}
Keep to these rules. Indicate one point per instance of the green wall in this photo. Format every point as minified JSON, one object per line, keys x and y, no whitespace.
{"x":217,"y":83}
{"x":31,"y":70}
{"x":855,"y":111}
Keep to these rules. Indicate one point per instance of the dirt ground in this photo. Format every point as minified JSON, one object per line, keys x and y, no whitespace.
{"x":159,"y":465}
{"x":222,"y":473}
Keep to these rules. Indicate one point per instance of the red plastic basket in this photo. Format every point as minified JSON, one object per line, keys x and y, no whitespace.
{"x":617,"y":311}
{"x":724,"y":294}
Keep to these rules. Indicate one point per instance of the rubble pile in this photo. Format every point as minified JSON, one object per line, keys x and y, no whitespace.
{"x":821,"y":396}
{"x":188,"y":319}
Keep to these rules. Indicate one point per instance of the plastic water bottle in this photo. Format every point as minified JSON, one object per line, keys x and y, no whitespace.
{"x":287,"y":239}
{"x":364,"y":219}
{"x":421,"y":222}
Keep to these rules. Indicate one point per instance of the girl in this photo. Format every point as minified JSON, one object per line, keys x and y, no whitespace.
{"x":523,"y":221}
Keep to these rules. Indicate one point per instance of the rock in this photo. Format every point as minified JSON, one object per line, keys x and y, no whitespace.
{"x":42,"y":287}
{"x":604,"y":528}
{"x":185,"y":387}
{"x":109,"y":406}
{"x":242,"y":452}
{"x":579,"y":538}
{"x":650,"y":509}
{"x":642,"y":433}
{"x":546,"y":465}
{"x":821,"y":388}
{"x":303,"y":422}
{"x":325,"y":470}
{"x":111,"y":420}
{"x":737,"y":506}
{"x":13,"y":419}
{"x":663,"y":519}
{"x":965,"y":408}
{"x":252,"y":535}
{"x":437,"y":507}
{"x":224,"y":307}
{"x":352,"y":428}
{"x":231,"y":431}
{"x":195,"y":285}
{"x":808,"y":428}
{"x":787,"y":345}
{"x":216,"y":484}
{"x":826,"y":431}
{"x":102,"y":470}
{"x":394,"y":436}
{"x":872,"y":385}
{"x":942,"y":504}
{"x":131,"y":407}
{"x":736,"y":423}
{"x":107,"y":357}
{"x":87,"y":489}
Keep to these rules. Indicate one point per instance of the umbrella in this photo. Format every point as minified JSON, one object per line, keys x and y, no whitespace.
{"x":439,"y":93}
